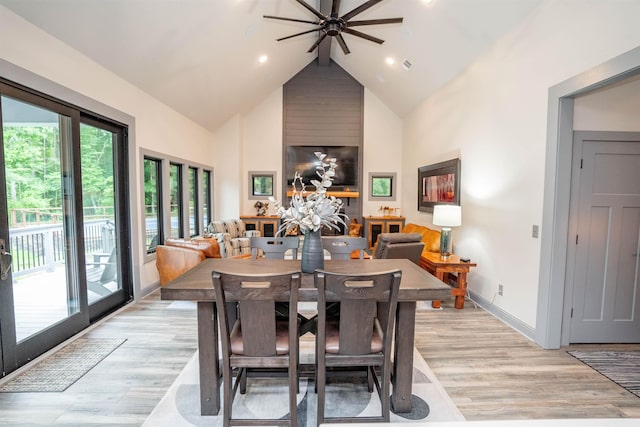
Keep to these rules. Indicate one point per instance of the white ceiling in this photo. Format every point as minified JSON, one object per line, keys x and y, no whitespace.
{"x":200,"y":57}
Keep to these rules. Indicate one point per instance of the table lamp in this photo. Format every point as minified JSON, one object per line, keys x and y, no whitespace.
{"x":446,"y":216}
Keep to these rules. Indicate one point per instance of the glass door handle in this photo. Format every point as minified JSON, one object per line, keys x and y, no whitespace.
{"x":5,"y":261}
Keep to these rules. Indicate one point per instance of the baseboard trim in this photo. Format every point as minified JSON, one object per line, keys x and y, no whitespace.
{"x":511,"y":321}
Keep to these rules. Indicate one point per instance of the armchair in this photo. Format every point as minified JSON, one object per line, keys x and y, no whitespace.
{"x":232,"y":236}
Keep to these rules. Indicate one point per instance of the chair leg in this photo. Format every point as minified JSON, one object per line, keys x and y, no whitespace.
{"x":321,"y":376}
{"x":293,"y":402}
{"x":242,"y":377}
{"x":370,"y":374}
{"x":228,"y":400}
{"x":385,"y":398}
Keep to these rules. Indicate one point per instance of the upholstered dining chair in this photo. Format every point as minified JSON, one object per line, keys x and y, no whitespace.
{"x":274,"y":247}
{"x":361,"y":337}
{"x":341,"y":247}
{"x":399,"y":245}
{"x":257,"y":339}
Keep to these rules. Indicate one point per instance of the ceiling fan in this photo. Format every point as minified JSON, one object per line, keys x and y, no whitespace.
{"x":334,"y":25}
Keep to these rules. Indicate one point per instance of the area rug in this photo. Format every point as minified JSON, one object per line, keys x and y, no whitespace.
{"x":61,"y":369}
{"x":621,"y":367}
{"x":265,"y":397}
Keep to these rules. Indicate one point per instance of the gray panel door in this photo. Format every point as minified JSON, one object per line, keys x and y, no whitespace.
{"x":606,"y":294}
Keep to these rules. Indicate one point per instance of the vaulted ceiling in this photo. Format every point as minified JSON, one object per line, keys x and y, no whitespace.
{"x":201,"y":57}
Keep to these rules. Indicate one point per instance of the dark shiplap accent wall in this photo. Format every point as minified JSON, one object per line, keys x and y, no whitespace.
{"x":323,"y":105}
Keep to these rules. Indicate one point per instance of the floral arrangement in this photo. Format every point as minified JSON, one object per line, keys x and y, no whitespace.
{"x":317,"y":209}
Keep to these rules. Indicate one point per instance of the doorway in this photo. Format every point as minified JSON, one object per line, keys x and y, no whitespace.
{"x":62,"y":227}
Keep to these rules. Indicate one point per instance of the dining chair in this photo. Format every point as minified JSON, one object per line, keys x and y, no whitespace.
{"x":274,"y":247}
{"x":257,"y":339}
{"x":361,"y":337}
{"x":399,"y":245}
{"x":341,"y":247}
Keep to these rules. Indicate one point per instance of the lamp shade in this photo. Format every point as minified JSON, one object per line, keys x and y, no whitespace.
{"x":447,"y":215}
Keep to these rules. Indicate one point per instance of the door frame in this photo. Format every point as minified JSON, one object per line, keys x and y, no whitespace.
{"x":557,"y":190}
{"x":15,"y":354}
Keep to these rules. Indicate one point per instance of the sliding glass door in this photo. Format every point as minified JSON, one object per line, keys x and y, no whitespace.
{"x":61,"y":247}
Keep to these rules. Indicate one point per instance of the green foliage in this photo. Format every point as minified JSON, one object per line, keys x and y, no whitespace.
{"x":34,"y":168}
{"x":381,"y":186}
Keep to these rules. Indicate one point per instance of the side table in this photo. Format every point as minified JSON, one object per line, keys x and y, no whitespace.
{"x":439,"y":267}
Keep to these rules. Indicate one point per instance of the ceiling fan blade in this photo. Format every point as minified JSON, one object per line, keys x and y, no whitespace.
{"x":375,"y":22}
{"x":291,"y":19}
{"x":335,"y":8}
{"x":311,"y":9}
{"x":315,"y":45}
{"x":343,"y":44}
{"x":359,"y":9}
{"x":296,"y":35}
{"x":362,"y":35}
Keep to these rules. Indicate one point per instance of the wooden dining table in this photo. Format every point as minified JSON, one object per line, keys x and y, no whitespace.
{"x":196,"y":285}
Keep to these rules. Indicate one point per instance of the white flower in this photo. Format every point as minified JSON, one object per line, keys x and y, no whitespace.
{"x":317,"y":209}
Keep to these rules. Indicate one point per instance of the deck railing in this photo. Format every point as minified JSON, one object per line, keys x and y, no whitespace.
{"x":41,"y":247}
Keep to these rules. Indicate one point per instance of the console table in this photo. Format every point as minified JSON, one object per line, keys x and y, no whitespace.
{"x":375,"y":225}
{"x":267,"y":224}
{"x":441,"y":267}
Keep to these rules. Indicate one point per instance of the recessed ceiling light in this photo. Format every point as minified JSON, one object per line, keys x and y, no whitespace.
{"x":263,"y":59}
{"x":390,"y":60}
{"x":428,"y":2}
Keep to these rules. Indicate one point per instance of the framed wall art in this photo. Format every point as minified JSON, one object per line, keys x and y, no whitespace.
{"x":261,"y":184}
{"x":439,"y":184}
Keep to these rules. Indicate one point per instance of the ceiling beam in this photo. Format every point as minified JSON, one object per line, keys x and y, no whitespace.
{"x":324,"y":49}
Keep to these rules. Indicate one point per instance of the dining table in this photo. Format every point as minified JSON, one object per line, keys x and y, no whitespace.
{"x":197,"y":285}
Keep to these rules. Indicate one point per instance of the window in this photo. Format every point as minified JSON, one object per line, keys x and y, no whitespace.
{"x":177,"y":198}
{"x":193,"y":202}
{"x":261,"y":184}
{"x":382,"y":186}
{"x":152,"y":204}
{"x":206,"y":197}
{"x":175,"y":201}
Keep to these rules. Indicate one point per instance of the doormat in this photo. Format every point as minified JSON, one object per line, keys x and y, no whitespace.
{"x":60,"y":370}
{"x":621,"y":367}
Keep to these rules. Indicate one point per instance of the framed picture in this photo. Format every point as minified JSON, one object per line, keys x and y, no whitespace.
{"x":382,"y":186}
{"x":261,"y":184}
{"x":439,"y":184}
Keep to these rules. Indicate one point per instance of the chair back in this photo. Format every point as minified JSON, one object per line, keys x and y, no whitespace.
{"x":365,"y":300}
{"x":256,"y":296}
{"x":399,"y":245}
{"x":341,"y":247}
{"x":274,"y":247}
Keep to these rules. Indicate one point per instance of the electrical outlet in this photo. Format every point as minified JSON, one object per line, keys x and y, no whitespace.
{"x":500,"y":290}
{"x":535,"y":231}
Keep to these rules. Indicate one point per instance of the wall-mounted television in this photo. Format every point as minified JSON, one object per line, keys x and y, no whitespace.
{"x":303,"y":160}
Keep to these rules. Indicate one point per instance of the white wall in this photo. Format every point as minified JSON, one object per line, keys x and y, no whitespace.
{"x":262,"y":147}
{"x":382,"y":150}
{"x":613,"y":108}
{"x":77,"y":79}
{"x":254,"y":141}
{"x":493,"y":116}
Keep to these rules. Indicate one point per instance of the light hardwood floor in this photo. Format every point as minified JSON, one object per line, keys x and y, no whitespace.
{"x":490,"y":371}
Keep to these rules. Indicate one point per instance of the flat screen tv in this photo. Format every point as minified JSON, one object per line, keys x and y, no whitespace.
{"x":304,"y":161}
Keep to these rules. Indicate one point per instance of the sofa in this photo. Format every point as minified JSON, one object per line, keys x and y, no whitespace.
{"x":177,"y":256}
{"x":232,"y":236}
{"x":430,"y":237}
